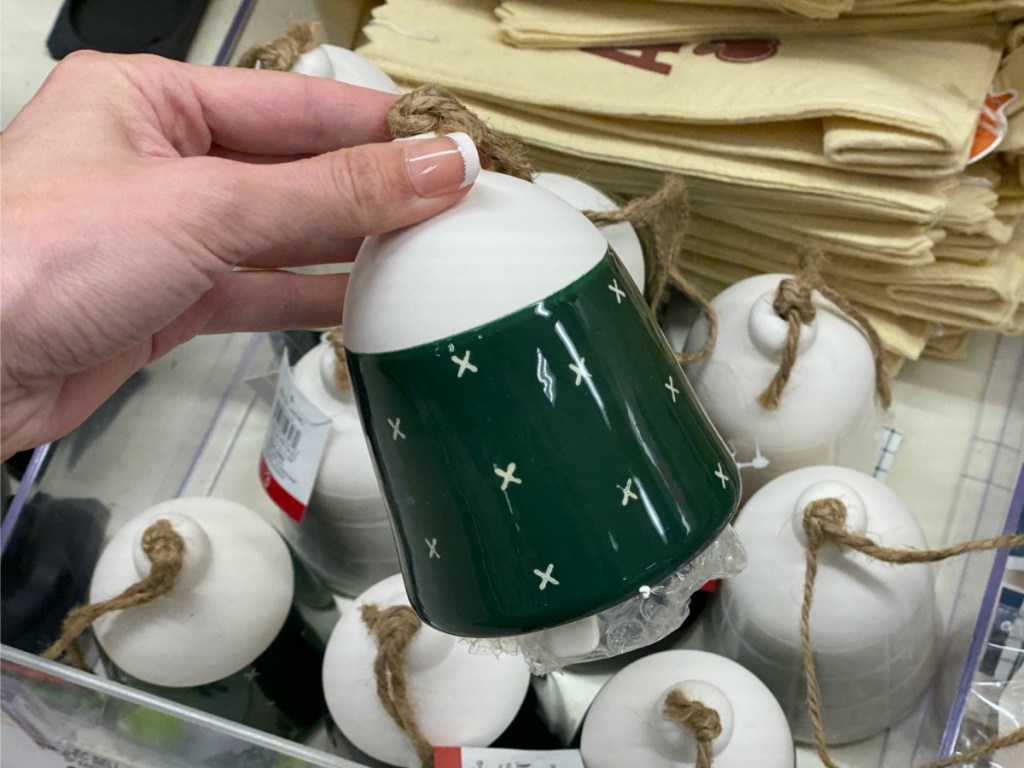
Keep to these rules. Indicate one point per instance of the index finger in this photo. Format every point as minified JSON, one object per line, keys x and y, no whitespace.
{"x":282,"y":113}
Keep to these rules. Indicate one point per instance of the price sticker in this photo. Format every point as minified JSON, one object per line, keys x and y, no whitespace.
{"x":474,"y":757}
{"x":294,"y":447}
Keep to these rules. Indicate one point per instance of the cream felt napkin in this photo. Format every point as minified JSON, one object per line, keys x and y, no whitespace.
{"x":1006,"y":9}
{"x":951,"y":293}
{"x":971,"y":208}
{"x":821,"y":189}
{"x":625,"y":23}
{"x":949,"y":345}
{"x":995,"y":234}
{"x":854,"y":7}
{"x":892,"y":243}
{"x":1015,"y":39}
{"x":798,"y":141}
{"x":1014,"y":142}
{"x":1011,"y":76}
{"x":929,"y":89}
{"x":815,"y":9}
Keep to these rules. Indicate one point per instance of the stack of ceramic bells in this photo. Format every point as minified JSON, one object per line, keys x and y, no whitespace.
{"x":230,"y":641}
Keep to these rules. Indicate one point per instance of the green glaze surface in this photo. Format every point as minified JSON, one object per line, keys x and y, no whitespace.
{"x":545,"y":466}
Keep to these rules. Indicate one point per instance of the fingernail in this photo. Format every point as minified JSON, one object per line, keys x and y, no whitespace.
{"x":442,"y":165}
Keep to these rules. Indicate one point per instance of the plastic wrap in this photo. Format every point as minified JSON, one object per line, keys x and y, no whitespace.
{"x":652,"y":614}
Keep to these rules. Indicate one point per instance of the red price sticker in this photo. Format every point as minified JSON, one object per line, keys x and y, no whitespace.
{"x":294,"y":447}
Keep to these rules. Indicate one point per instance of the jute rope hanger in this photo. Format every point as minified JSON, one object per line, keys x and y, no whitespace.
{"x":701,"y":719}
{"x":665,"y":214}
{"x":794,"y":302}
{"x":281,"y":53}
{"x":394,"y":628}
{"x":165,"y":549}
{"x":825,"y":521}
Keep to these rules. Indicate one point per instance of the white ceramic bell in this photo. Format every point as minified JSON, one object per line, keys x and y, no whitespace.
{"x":461,"y":698}
{"x":626,"y":725}
{"x":497,"y":338}
{"x":346,"y":66}
{"x":583,"y":197}
{"x":344,"y":537}
{"x":228,"y":604}
{"x":873,"y":626}
{"x":827,"y":413}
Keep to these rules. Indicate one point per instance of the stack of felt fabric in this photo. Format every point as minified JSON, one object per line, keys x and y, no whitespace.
{"x":583,"y":23}
{"x":879,"y":149}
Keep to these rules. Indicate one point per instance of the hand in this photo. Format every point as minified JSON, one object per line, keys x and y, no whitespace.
{"x":134,"y":186}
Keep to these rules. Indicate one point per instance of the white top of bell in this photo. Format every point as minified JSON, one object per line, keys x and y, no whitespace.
{"x":857,"y":599}
{"x":344,"y":65}
{"x":461,"y":698}
{"x":505,"y":246}
{"x":626,"y":726}
{"x":621,"y":237}
{"x":228,"y":603}
{"x":831,"y":384}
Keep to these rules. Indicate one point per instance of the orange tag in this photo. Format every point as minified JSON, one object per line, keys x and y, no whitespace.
{"x":992,"y":124}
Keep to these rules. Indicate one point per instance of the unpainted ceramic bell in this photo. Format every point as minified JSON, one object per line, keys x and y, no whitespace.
{"x":827,"y":413}
{"x":873,"y":626}
{"x":460,"y":697}
{"x":540,"y":453}
{"x":347,"y":66}
{"x":626,"y":724}
{"x":344,"y":536}
{"x":621,"y":237}
{"x":225,"y":639}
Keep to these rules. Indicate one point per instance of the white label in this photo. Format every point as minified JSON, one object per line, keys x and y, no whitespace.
{"x":478,"y":757}
{"x":295,"y":444}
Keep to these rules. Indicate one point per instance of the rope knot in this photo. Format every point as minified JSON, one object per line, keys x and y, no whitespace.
{"x":433,"y":109}
{"x":794,"y":303}
{"x":821,"y":518}
{"x":166,"y":551}
{"x":795,"y":296}
{"x":164,"y":547}
{"x":281,"y":53}
{"x":702,"y":720}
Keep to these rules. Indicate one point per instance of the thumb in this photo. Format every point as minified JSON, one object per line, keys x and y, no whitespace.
{"x":364,"y":190}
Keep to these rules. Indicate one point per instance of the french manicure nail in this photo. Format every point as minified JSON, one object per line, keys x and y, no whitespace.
{"x":442,"y":165}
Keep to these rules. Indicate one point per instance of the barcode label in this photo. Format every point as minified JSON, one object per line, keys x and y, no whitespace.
{"x":296,"y":439}
{"x":289,"y":432}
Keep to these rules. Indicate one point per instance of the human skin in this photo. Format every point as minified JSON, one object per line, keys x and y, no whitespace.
{"x":135,"y":188}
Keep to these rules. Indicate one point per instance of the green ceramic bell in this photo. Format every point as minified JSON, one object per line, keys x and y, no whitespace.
{"x":540,"y":452}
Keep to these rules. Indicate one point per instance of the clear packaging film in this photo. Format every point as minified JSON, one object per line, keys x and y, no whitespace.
{"x":651,"y":615}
